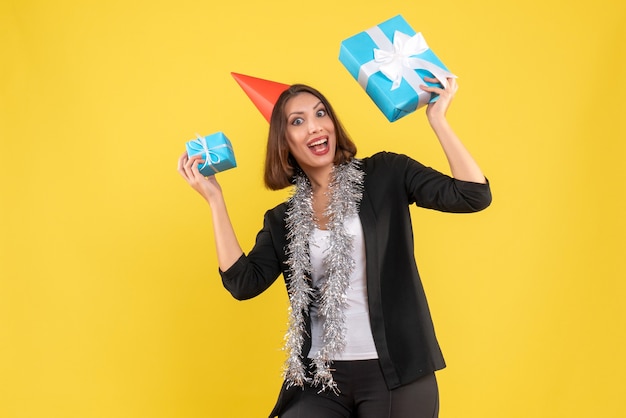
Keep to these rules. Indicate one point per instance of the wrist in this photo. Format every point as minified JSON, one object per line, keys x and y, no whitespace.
{"x":438,"y":121}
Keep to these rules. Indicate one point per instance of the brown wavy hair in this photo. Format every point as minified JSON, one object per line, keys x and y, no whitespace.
{"x":280,"y":165}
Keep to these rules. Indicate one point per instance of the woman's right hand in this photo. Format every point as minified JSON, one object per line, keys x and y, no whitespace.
{"x":227,"y":246}
{"x":208,"y":187}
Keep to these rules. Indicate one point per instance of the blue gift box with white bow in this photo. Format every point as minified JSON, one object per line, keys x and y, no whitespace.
{"x":390,"y":61}
{"x":216,"y":150}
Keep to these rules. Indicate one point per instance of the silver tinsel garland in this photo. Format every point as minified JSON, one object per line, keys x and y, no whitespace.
{"x":345,"y":194}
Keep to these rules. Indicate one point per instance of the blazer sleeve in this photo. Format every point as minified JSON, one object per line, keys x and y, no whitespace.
{"x":253,"y":273}
{"x":431,"y":189}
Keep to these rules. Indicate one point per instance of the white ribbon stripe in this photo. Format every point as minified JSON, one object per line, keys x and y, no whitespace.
{"x":397,"y":61}
{"x":212,"y":157}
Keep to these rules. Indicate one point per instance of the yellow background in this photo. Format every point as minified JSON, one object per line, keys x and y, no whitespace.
{"x":110,"y":301}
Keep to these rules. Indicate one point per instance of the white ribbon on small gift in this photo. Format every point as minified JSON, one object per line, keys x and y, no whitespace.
{"x":397,"y":61}
{"x":212,"y":158}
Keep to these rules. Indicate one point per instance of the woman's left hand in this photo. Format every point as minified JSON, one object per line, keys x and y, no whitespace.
{"x":439,"y":108}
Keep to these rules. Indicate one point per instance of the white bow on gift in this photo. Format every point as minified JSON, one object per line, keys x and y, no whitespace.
{"x":212,"y":158}
{"x":398,"y":61}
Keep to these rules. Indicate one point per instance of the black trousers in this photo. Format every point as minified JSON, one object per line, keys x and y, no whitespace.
{"x":364,"y":394}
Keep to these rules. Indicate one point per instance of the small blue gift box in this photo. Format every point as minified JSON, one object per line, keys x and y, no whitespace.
{"x":216,"y":150}
{"x":390,"y":61}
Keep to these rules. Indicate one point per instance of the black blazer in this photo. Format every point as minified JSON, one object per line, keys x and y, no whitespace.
{"x":400,"y":319}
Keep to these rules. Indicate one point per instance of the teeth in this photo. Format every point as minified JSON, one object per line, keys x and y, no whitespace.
{"x":320,"y":142}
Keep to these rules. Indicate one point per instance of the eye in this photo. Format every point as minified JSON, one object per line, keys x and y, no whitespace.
{"x":297,"y":121}
{"x":320,"y":113}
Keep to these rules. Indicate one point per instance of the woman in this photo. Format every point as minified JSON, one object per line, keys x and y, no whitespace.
{"x":361,"y":341}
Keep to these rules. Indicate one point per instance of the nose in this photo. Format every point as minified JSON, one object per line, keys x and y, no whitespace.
{"x":314,"y":126}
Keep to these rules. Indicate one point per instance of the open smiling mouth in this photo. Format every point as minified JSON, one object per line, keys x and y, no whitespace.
{"x":319,"y":145}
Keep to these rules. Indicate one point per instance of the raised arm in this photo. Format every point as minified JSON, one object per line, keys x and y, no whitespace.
{"x":228,"y":248}
{"x":462,"y":164}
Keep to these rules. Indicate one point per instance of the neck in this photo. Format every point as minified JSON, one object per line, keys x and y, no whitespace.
{"x":319,"y":178}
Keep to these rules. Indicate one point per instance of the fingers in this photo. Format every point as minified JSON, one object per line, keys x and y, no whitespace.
{"x":208,"y":187}
{"x":188,"y":167}
{"x":450,"y":85}
{"x":445,"y":84}
{"x":181,"y":162}
{"x":446,"y":94}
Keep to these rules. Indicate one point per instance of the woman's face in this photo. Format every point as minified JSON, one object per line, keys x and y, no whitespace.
{"x":310,"y":132}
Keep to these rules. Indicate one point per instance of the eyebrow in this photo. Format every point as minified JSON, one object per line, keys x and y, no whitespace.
{"x":299,"y":112}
